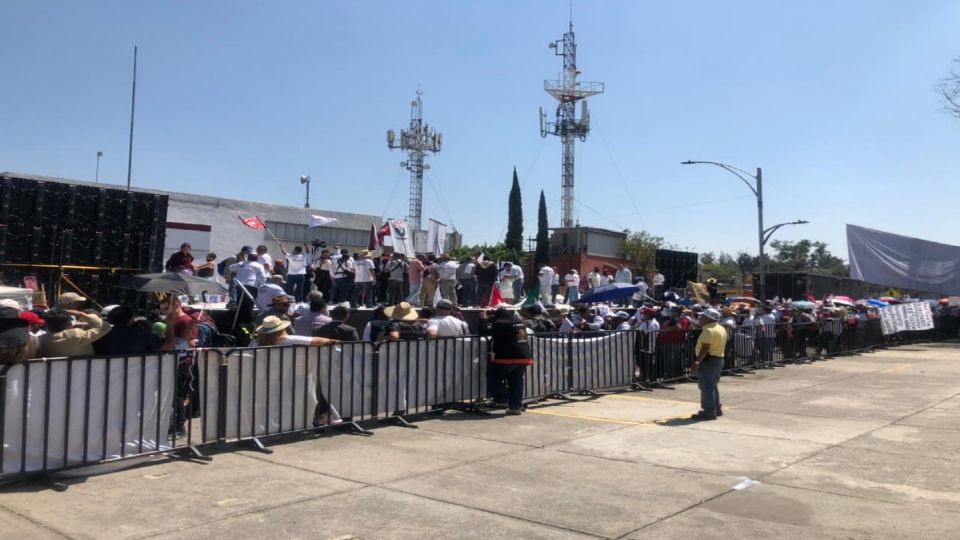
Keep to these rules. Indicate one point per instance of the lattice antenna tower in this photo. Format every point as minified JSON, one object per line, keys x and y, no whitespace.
{"x":417,"y":140}
{"x":567,"y":90}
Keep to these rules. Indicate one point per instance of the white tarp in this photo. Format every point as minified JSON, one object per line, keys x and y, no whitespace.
{"x":904,"y":317}
{"x":605,"y":361}
{"x":436,"y":237}
{"x":83,"y":403}
{"x":901,"y":261}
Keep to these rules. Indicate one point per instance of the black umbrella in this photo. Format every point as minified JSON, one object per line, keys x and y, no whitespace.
{"x":172,"y":282}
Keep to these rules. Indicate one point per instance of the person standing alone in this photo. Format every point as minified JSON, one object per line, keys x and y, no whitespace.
{"x":709,"y":364}
{"x":511,"y":356}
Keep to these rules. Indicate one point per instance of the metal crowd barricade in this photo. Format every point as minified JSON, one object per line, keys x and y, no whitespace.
{"x":549,"y":376}
{"x":62,"y":413}
{"x":602,"y":361}
{"x":424,"y":375}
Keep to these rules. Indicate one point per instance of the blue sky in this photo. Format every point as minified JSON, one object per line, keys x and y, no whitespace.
{"x":833,"y":99}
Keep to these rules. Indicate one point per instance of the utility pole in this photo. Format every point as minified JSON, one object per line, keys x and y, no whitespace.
{"x":416,"y":141}
{"x":567,"y":90}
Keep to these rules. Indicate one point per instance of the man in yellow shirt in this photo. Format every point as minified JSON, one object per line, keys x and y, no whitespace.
{"x":709,"y":363}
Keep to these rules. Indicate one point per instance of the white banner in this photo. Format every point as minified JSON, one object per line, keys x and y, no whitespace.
{"x":905,"y":317}
{"x":436,"y":237}
{"x":402,"y":237}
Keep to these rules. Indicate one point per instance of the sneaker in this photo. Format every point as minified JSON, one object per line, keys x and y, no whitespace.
{"x":703,"y":416}
{"x":514,"y":412}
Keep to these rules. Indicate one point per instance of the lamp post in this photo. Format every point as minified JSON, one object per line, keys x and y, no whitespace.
{"x":757,"y":188}
{"x":97,"y":177}
{"x":305,"y":180}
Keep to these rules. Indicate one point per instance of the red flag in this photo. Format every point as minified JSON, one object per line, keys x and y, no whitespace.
{"x":811,"y":297}
{"x":253,"y":222}
{"x":383,"y":231}
{"x":495,"y":298}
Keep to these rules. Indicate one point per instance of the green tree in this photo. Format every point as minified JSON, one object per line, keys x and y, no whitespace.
{"x":722,"y":268}
{"x":542,"y":254}
{"x":747,"y":264}
{"x":496,"y":252}
{"x":640,"y":248}
{"x":514,"y":240}
{"x":806,"y":256}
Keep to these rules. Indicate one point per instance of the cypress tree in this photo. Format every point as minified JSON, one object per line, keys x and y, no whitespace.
{"x":514,"y":241}
{"x":543,"y":235}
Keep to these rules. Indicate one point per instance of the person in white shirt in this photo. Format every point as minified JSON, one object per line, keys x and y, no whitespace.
{"x":444,"y":324}
{"x":364,"y":280}
{"x":649,"y":329}
{"x":249,"y":274}
{"x":641,"y":294}
{"x":296,"y":272}
{"x":624,"y":275}
{"x":265,"y":259}
{"x":514,"y":273}
{"x":270,"y":290}
{"x":447,"y":271}
{"x":572,"y":281}
{"x":658,"y":282}
{"x":605,"y":278}
{"x":593,"y":278}
{"x":545,"y":275}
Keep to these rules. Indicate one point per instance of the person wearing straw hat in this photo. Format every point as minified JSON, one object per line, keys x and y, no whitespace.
{"x":403,"y":325}
{"x":278,"y":307}
{"x":273,"y":332}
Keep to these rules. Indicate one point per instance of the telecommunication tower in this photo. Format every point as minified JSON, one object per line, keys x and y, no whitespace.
{"x":416,"y":141}
{"x":568,"y":91}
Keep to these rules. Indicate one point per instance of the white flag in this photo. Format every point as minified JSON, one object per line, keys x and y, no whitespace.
{"x":436,"y":237}
{"x":319,"y":221}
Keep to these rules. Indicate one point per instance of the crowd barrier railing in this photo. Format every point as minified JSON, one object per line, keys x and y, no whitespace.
{"x":65,"y":413}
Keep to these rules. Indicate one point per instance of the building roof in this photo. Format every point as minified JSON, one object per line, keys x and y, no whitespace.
{"x":266,"y":211}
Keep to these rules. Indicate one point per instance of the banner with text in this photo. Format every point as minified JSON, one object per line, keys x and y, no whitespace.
{"x":904,"y":317}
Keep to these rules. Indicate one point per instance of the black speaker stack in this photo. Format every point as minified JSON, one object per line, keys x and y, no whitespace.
{"x":89,"y":235}
{"x":677,"y":267}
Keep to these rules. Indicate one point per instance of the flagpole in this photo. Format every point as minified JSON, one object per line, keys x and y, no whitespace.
{"x":133,"y":102}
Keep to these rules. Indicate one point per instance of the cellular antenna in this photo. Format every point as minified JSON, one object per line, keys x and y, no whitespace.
{"x":567,"y":90}
{"x":416,"y":141}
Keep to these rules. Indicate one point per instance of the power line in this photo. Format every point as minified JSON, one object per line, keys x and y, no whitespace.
{"x":623,"y":180}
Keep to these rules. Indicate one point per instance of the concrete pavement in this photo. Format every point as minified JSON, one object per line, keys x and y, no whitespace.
{"x":854,"y":447}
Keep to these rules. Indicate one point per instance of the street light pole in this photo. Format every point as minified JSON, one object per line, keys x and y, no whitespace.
{"x":97,"y":177}
{"x":763,"y":275}
{"x":757,"y":189}
{"x":305,"y":180}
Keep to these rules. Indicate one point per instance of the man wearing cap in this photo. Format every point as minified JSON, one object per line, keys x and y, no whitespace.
{"x":545,"y":275}
{"x":270,"y":290}
{"x":338,"y":328}
{"x":16,"y":342}
{"x":658,"y":283}
{"x":572,"y":281}
{"x":709,"y":364}
{"x":444,"y":324}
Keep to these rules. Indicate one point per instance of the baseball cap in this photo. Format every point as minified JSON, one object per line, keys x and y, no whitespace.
{"x":32,"y":318}
{"x":711,"y":314}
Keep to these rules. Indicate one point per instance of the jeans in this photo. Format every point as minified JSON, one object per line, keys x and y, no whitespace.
{"x":554,"y":289}
{"x":296,"y":284}
{"x":341,"y":289}
{"x":414,"y":296}
{"x":394,"y":292}
{"x":573,"y":294}
{"x":708,"y":376}
{"x":505,"y":382}
{"x":468,"y":292}
{"x":517,"y":290}
{"x":364,"y":289}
